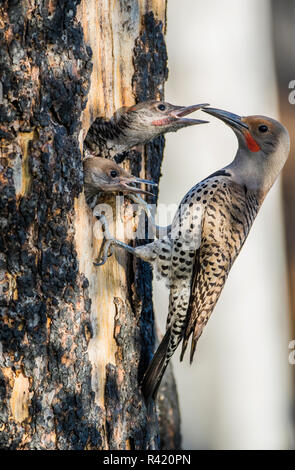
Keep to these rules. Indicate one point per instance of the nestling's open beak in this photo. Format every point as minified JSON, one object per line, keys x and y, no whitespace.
{"x":139,"y":180}
{"x":179,"y":112}
{"x":125,"y":184}
{"x":233,"y":120}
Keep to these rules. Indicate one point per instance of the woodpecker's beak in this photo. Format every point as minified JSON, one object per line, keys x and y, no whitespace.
{"x":179,"y":112}
{"x":139,"y":180}
{"x":232,"y":120}
{"x":125,"y":185}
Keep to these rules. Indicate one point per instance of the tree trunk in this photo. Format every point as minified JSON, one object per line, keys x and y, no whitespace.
{"x":75,"y":339}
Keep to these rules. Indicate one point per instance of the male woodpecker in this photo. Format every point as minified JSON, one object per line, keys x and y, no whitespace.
{"x":136,"y":125}
{"x":208,"y":232}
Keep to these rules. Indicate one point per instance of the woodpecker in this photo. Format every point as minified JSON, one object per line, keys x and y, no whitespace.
{"x":208,"y":231}
{"x":104,"y":175}
{"x":138,"y":124}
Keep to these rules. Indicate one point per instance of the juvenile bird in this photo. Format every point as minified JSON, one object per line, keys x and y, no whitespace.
{"x":138,"y":124}
{"x":208,"y":232}
{"x":104,"y":175}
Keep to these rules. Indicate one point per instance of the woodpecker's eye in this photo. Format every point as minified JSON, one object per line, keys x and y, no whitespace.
{"x":113,"y":173}
{"x":263,"y":128}
{"x":161,"y":107}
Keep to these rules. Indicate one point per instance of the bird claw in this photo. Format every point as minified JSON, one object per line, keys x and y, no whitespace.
{"x":98,"y":264}
{"x":104,"y":253}
{"x":106,"y":244}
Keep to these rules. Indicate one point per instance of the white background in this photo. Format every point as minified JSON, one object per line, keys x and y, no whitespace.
{"x":236,"y":395}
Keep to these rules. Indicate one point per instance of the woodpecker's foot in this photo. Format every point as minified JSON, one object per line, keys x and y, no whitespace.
{"x":107,"y":243}
{"x":108,"y":240}
{"x":104,"y":253}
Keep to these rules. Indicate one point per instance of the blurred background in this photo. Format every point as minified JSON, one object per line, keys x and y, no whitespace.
{"x":239,"y":56}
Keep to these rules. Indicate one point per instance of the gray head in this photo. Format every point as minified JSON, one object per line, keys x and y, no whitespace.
{"x":264,"y":146}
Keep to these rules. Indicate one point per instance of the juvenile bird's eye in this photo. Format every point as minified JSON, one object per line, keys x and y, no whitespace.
{"x":113,"y":173}
{"x":161,"y":107}
{"x":263,"y":128}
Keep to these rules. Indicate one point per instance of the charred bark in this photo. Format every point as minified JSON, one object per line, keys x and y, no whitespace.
{"x":75,"y":340}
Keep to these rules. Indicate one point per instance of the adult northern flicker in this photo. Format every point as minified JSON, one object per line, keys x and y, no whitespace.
{"x":136,"y":125}
{"x":208,"y":232}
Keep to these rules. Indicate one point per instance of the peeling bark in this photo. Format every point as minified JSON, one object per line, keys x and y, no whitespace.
{"x":75,"y":340}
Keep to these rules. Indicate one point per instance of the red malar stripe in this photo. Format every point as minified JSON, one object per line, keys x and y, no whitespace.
{"x":251,"y":143}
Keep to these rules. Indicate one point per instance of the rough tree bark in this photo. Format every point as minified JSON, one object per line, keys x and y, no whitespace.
{"x":75,"y":340}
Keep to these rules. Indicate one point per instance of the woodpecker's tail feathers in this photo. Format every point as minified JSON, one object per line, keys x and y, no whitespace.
{"x":184,"y":346}
{"x":155,"y":371}
{"x":187,"y":333}
{"x":195,"y":331}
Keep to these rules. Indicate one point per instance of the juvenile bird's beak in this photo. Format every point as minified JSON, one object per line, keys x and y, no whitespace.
{"x":139,"y":180}
{"x":125,"y":183}
{"x":179,"y":112}
{"x":232,"y":120}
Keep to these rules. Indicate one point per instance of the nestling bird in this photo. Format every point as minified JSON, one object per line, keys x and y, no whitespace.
{"x":104,"y":175}
{"x":136,"y":125}
{"x":208,"y":232}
